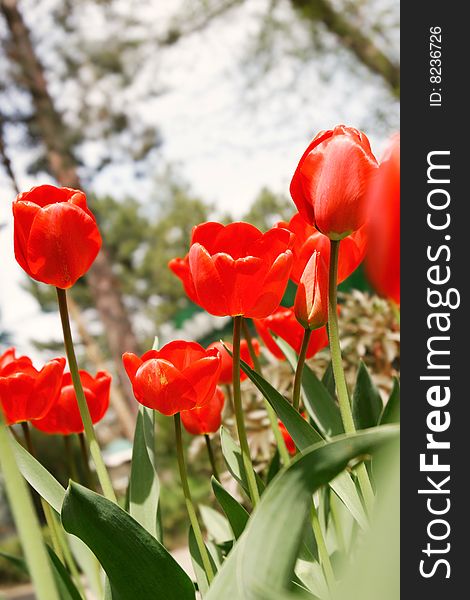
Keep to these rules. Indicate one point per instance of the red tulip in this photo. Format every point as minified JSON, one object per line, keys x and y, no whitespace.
{"x":284,"y":324}
{"x":207,"y":418}
{"x":235,"y":269}
{"x":25,"y":392}
{"x":311,"y":299}
{"x":180,"y":376}
{"x":56,"y":236}
{"x":226,"y":372}
{"x":330,"y":182}
{"x":64,"y":416}
{"x":383,"y":258}
{"x":307,"y":239}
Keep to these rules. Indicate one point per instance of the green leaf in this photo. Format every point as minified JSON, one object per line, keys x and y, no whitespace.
{"x":367,"y":404}
{"x":144,"y":486}
{"x":279,"y":520}
{"x":17,"y":561}
{"x":320,"y":405}
{"x":328,"y":380}
{"x":197,"y":563}
{"x":304,"y":435}
{"x":38,"y":477}
{"x":236,"y":514}
{"x":88,"y":564}
{"x":65,"y":585}
{"x":233,"y":459}
{"x":274,"y":467}
{"x":391,"y":411}
{"x":216,"y":524}
{"x":137,"y":565}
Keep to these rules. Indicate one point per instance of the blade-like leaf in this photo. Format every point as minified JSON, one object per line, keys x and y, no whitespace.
{"x":321,"y":407}
{"x":281,"y":516}
{"x":65,"y":585}
{"x":137,"y":565}
{"x":391,"y":411}
{"x":217,"y":526}
{"x":328,"y":380}
{"x":38,"y":477}
{"x":144,"y":487}
{"x":304,"y":436}
{"x":237,"y":516}
{"x":197,"y":563}
{"x":233,"y":459}
{"x":367,"y":404}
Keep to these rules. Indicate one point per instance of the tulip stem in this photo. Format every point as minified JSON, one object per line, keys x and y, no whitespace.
{"x":322,"y":549}
{"x":189,"y":501}
{"x":338,"y":371}
{"x":212,"y":460}
{"x":26,"y":521}
{"x":237,"y":401}
{"x":92,"y":442}
{"x":281,"y":444}
{"x":86,"y":462}
{"x":72,"y":468}
{"x":300,"y":369}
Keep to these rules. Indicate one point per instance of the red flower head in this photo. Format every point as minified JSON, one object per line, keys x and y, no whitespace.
{"x":235,"y":269}
{"x":205,"y":419}
{"x":64,"y":416}
{"x":226,"y":372}
{"x":56,"y":236}
{"x":311,"y":299}
{"x":180,"y":376}
{"x":284,"y":324}
{"x":307,"y":239}
{"x":383,"y":258}
{"x":26,"y":393}
{"x":330,"y":183}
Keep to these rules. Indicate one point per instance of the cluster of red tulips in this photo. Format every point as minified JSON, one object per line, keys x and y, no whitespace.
{"x":348,"y":211}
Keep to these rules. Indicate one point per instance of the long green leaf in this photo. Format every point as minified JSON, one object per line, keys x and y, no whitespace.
{"x":65,"y":585}
{"x":233,"y":459}
{"x":279,"y":520}
{"x":304,"y":435}
{"x":137,"y":565}
{"x":39,"y":478}
{"x":197,"y":563}
{"x":391,"y":411}
{"x":367,"y":404}
{"x":144,"y":486}
{"x":320,"y":405}
{"x":236,"y":514}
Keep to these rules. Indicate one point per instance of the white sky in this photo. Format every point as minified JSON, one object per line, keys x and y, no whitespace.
{"x":226,"y":139}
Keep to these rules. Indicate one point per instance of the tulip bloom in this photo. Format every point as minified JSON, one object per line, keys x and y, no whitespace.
{"x":205,"y":419}
{"x":26,"y":393}
{"x":383,"y":258}
{"x":226,"y":372}
{"x":180,"y":376}
{"x":311,"y":299}
{"x":330,"y":183}
{"x":284,"y":324}
{"x":56,"y":236}
{"x":307,"y":239}
{"x":64,"y":416}
{"x":236,"y":270}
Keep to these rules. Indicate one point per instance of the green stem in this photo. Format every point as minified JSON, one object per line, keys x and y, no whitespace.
{"x":237,"y":402}
{"x":281,"y":444}
{"x":337,"y":522}
{"x":338,"y":371}
{"x":26,"y":521}
{"x":212,"y":460}
{"x":300,"y":369}
{"x":69,"y":455}
{"x":322,"y":549}
{"x":86,"y":462}
{"x":93,"y":446}
{"x":189,"y":502}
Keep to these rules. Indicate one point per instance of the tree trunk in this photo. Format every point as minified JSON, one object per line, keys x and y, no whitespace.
{"x":102,"y":282}
{"x":351,"y":37}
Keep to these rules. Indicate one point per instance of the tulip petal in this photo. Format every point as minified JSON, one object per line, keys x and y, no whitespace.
{"x":131,"y":363}
{"x":16,"y":397}
{"x":204,"y":374}
{"x":181,"y":353}
{"x":273,"y":287}
{"x":63,"y":243}
{"x":180,"y":267}
{"x":207,"y":282}
{"x":23,"y":215}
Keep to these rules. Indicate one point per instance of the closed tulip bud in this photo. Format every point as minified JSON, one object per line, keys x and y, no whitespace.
{"x":311,"y":300}
{"x":330,"y":183}
{"x":205,"y":419}
{"x":27,"y":394}
{"x":56,"y":236}
{"x":64,"y":416}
